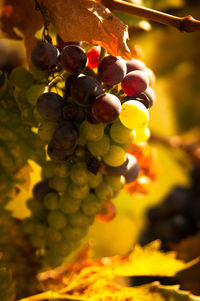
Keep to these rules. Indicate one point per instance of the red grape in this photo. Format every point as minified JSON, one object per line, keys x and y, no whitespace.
{"x":45,"y":56}
{"x":135,"y":82}
{"x":106,"y":108}
{"x":134,"y":64}
{"x":93,"y":57}
{"x":73,"y":58}
{"x":112,"y":70}
{"x":50,"y":106}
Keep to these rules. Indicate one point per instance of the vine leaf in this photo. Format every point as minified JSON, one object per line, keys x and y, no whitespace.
{"x":81,"y":20}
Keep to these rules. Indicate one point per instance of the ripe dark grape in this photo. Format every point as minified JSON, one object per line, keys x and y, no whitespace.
{"x":61,"y":44}
{"x":112,"y":70}
{"x":93,"y":57}
{"x":119,"y":170}
{"x":135,"y":64}
{"x":65,"y":136}
{"x":60,"y":155}
{"x":106,"y":108}
{"x":133,"y":169}
{"x":45,"y":57}
{"x":73,"y":58}
{"x":135,"y":82}
{"x":50,"y":106}
{"x":85,"y":89}
{"x":41,"y":189}
{"x":147,"y":97}
{"x":93,"y":165}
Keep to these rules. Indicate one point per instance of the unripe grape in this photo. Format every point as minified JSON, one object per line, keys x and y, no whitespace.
{"x":121,"y":134}
{"x":80,"y":220}
{"x":68,"y":204}
{"x":79,"y":173}
{"x":57,"y":219}
{"x":59,"y":184}
{"x":115,"y":156}
{"x":74,"y":233}
{"x":100,"y":147}
{"x":78,"y":192}
{"x":104,"y":192}
{"x":51,"y":201}
{"x":92,"y":132}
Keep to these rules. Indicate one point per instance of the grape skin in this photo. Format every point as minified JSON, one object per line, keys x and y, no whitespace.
{"x":45,"y":57}
{"x":73,"y":58}
{"x":50,"y":106}
{"x":135,"y":64}
{"x":112,"y":70}
{"x":65,"y":136}
{"x":135,"y":82}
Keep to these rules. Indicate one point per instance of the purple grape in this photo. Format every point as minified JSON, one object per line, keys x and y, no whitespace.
{"x":58,"y":154}
{"x":41,"y":189}
{"x":112,"y":70}
{"x":84,"y":90}
{"x":65,"y":136}
{"x":73,"y":58}
{"x":93,"y":165}
{"x":45,"y":56}
{"x":147,"y":97}
{"x":106,"y":108}
{"x":68,"y":84}
{"x":135,"y":82}
{"x":119,"y":170}
{"x":133,"y":169}
{"x":50,"y":106}
{"x":134,"y":64}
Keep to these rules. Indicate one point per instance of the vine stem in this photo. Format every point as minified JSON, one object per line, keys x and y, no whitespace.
{"x":186,"y":24}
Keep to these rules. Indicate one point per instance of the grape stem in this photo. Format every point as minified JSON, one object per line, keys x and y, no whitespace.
{"x":186,"y":24}
{"x":192,"y":148}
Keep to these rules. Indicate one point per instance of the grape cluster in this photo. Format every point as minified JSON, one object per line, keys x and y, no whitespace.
{"x":87,"y":126}
{"x":176,"y":217}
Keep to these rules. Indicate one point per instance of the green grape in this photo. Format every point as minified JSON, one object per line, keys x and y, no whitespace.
{"x":91,"y":205}
{"x":48,"y":170}
{"x":79,"y":173}
{"x":46,"y":130}
{"x":40,"y":214}
{"x":33,"y":93}
{"x":53,"y":235}
{"x":34,"y":205}
{"x":21,"y":78}
{"x":51,"y":259}
{"x":51,"y":201}
{"x":69,"y":205}
{"x":94,"y":180}
{"x":134,"y":115}
{"x":100,"y":147}
{"x":62,"y":248}
{"x":37,"y":241}
{"x":78,"y":192}
{"x":28,"y":226}
{"x":116,"y":182}
{"x":116,"y":156}
{"x":74,"y":233}
{"x":61,"y":170}
{"x":92,"y":132}
{"x":40,"y":229}
{"x":104,"y":192}
{"x":59,"y":184}
{"x":80,"y":220}
{"x":39,"y":75}
{"x":121,"y":134}
{"x":57,"y":219}
{"x":142,"y":135}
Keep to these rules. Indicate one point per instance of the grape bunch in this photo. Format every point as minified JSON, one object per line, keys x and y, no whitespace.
{"x":88,"y":118}
{"x":176,"y":217}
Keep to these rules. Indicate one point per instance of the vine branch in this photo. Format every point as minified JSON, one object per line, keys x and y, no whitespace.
{"x":186,"y":24}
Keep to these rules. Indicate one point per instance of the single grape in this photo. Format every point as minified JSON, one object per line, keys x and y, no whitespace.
{"x":92,"y":132}
{"x":40,"y":229}
{"x":147,"y":97}
{"x":134,"y":115}
{"x":93,"y":57}
{"x":50,"y":106}
{"x":45,"y":57}
{"x":107,"y":213}
{"x":80,"y":220}
{"x":34,"y":205}
{"x":69,"y":205}
{"x":77,"y":191}
{"x":121,"y":134}
{"x":73,"y":58}
{"x":133,"y":169}
{"x":116,"y":182}
{"x":57,"y":219}
{"x":59,"y":184}
{"x":119,"y":170}
{"x":74,"y":233}
{"x":51,"y":201}
{"x":106,"y":108}
{"x":104,"y":191}
{"x":79,"y":173}
{"x":46,"y":129}
{"x":90,"y":205}
{"x":112,"y":70}
{"x":61,"y":170}
{"x":94,"y":179}
{"x":53,"y":236}
{"x":135,"y":82}
{"x":135,"y":64}
{"x":84,"y":90}
{"x":100,"y":147}
{"x":21,"y":78}
{"x":37,"y":241}
{"x":41,"y":189}
{"x":65,"y":136}
{"x":115,"y":156}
